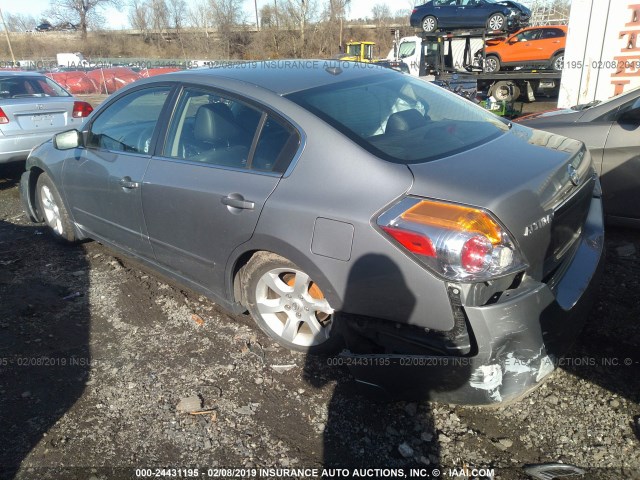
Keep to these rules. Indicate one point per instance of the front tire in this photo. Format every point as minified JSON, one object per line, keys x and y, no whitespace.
{"x":429,"y":24}
{"x":496,"y":22}
{"x":53,"y":211}
{"x":492,"y":64}
{"x":557,"y":62}
{"x":288,"y":305}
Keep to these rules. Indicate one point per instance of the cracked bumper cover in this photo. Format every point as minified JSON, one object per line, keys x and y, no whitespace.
{"x":519,"y":339}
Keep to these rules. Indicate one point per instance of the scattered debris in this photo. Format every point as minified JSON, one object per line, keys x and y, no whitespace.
{"x":190,"y":404}
{"x":405,"y":450}
{"x":203,"y":412}
{"x":283,"y":368}
{"x":248,"y":409}
{"x":72,"y":296}
{"x":197,"y":318}
{"x":626,"y":250}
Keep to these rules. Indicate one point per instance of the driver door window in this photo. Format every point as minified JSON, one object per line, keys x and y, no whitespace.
{"x":128,"y":124}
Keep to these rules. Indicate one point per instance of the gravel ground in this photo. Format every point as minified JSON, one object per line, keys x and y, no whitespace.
{"x":101,"y":362}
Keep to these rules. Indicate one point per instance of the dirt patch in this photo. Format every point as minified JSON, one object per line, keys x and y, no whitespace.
{"x":96,"y":353}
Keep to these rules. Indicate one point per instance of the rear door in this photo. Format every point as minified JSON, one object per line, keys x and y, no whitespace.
{"x":102,"y":182}
{"x":472,"y":13}
{"x":203,"y":194}
{"x":33,"y":105}
{"x":445,"y":12}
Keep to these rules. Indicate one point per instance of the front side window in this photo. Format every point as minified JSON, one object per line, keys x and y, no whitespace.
{"x":127,"y":125}
{"x":401,"y":119}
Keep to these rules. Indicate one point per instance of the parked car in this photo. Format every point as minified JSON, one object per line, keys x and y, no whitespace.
{"x":610,"y":131}
{"x":530,"y":47}
{"x":335,"y":201}
{"x":449,"y":14}
{"x":33,"y":108}
{"x":45,"y":27}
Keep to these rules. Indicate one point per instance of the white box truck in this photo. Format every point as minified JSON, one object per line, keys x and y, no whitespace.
{"x":602,"y":56}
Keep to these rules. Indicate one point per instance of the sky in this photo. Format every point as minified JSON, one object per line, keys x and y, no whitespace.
{"x":118,"y":19}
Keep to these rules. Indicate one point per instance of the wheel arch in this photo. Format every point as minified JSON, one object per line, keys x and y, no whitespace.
{"x":556,"y":53}
{"x":268,"y":244}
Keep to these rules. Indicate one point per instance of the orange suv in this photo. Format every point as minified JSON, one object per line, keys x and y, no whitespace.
{"x":529,"y":47}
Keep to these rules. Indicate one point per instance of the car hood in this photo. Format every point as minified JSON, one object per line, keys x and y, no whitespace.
{"x":522,"y":177}
{"x":550,"y":117}
{"x":516,"y":5}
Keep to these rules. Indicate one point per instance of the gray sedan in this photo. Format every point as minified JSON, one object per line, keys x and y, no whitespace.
{"x":452,"y":251}
{"x":33,"y":108}
{"x":611,"y":131}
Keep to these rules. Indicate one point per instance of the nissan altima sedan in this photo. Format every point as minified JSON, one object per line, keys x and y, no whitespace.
{"x":33,"y":108}
{"x":455,"y":253}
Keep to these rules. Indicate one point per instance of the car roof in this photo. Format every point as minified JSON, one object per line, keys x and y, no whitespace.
{"x":287,"y":76}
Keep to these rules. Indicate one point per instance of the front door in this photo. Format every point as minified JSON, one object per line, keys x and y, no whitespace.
{"x":102,"y":180}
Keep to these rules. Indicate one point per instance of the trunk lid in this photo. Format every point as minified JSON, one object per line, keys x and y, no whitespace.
{"x":36,"y":114}
{"x":527,"y":179}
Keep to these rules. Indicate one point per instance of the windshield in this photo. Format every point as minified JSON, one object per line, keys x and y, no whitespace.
{"x":402,"y":119}
{"x":353,"y":50}
{"x":16,"y":86}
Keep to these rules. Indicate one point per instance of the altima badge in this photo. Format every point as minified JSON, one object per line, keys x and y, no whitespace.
{"x":543,"y":222}
{"x":573,"y":175}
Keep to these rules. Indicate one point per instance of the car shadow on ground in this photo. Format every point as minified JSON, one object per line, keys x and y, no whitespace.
{"x":10,"y":174}
{"x":44,"y":342}
{"x":366,"y":428}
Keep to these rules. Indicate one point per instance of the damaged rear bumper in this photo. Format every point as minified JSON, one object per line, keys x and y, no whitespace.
{"x":519,"y":339}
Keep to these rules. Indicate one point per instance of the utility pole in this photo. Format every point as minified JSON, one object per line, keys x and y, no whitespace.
{"x":255,"y":3}
{"x":6,"y":32}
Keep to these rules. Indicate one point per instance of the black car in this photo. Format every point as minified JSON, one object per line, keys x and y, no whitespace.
{"x":492,"y":14}
{"x":45,"y":27}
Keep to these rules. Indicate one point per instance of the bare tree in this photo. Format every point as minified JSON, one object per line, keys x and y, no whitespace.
{"x":20,"y":22}
{"x":381,"y":14}
{"x":81,"y":12}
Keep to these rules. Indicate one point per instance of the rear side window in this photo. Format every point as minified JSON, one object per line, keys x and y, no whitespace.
{"x":127,"y":125}
{"x":30,"y":87}
{"x":402,"y":119}
{"x":552,"y":33}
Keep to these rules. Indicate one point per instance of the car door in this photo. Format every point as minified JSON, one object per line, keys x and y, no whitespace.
{"x":520,"y":47}
{"x":102,"y":181}
{"x":620,"y":173}
{"x":203,"y":194}
{"x":472,"y":13}
{"x":551,"y":40}
{"x":445,"y":12}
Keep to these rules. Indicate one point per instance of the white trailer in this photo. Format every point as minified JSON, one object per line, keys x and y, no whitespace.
{"x":602,"y":56}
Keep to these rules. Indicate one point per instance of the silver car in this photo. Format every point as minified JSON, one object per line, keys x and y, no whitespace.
{"x":33,"y":108}
{"x":610,"y":130}
{"x":453,"y":252}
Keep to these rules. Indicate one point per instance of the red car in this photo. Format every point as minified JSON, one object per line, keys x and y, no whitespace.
{"x":529,"y":47}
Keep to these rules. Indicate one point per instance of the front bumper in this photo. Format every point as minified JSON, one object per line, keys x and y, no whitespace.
{"x":519,"y":339}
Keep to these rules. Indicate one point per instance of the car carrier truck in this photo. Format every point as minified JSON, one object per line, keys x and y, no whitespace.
{"x":456,"y":58}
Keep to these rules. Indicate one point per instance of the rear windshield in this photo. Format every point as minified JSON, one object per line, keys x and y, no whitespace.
{"x":30,"y":86}
{"x":402,"y":119}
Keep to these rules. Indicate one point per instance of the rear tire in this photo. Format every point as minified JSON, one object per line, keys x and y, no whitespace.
{"x":492,"y":64}
{"x":288,"y":306}
{"x":429,"y":24}
{"x":53,"y":211}
{"x":496,"y":21}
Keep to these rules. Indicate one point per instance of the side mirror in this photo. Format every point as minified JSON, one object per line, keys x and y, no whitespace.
{"x":67,"y":140}
{"x":512,"y":40}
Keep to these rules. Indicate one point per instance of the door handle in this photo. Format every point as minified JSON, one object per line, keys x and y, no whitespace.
{"x":237,"y":201}
{"x":126,"y":182}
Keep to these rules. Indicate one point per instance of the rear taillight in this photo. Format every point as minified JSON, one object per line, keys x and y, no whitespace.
{"x":81,"y":109}
{"x":458,"y":242}
{"x":414,"y":11}
{"x":3,"y":117}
